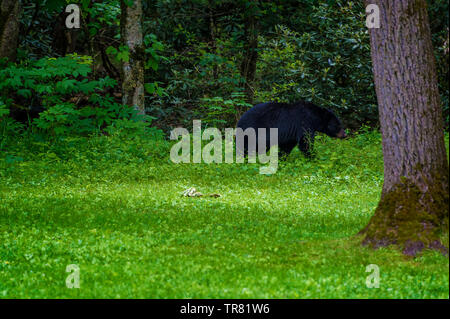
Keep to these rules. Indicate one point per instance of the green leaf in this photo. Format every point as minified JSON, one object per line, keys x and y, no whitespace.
{"x":150,"y":87}
{"x":111,"y":50}
{"x":24,"y":92}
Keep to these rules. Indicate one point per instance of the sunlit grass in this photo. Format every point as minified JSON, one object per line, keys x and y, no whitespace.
{"x":114,"y":207}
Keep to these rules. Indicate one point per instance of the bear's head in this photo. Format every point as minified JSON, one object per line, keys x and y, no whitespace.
{"x":332,"y":126}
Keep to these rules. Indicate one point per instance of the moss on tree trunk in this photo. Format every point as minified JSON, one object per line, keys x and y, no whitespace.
{"x":410,"y":218}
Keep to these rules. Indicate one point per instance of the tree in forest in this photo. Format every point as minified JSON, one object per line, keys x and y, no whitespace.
{"x":9,"y":28}
{"x":250,"y":56}
{"x":413,"y":209}
{"x":133,"y":69}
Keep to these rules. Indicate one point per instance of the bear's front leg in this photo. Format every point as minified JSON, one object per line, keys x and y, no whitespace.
{"x":285,"y":149}
{"x":306,"y":145}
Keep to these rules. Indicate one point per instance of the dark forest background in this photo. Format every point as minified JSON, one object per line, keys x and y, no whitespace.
{"x":209,"y":60}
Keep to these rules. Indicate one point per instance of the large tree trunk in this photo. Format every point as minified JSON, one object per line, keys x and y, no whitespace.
{"x":413,"y":208}
{"x":133,"y":70}
{"x":9,"y":28}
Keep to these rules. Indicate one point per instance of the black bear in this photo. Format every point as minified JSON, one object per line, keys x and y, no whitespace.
{"x":297,"y":124}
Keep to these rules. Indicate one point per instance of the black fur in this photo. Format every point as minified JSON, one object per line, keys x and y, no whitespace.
{"x":297,"y":124}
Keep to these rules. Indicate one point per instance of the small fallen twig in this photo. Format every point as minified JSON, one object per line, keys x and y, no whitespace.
{"x":192,"y":192}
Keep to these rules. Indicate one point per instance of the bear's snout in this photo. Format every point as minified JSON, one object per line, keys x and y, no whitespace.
{"x":341,"y":134}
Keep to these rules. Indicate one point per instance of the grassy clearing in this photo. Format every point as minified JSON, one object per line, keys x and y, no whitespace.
{"x":113,"y":207}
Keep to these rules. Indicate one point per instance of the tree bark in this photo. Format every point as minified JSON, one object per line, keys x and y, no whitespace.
{"x":248,"y":65}
{"x":212,"y":30}
{"x":133,"y":70}
{"x":413,"y":209}
{"x":9,"y":28}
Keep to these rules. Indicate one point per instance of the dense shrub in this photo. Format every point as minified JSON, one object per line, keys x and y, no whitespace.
{"x":70,"y":102}
{"x":307,"y":50}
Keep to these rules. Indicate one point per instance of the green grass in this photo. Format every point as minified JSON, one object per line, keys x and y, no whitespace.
{"x":113,"y":207}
